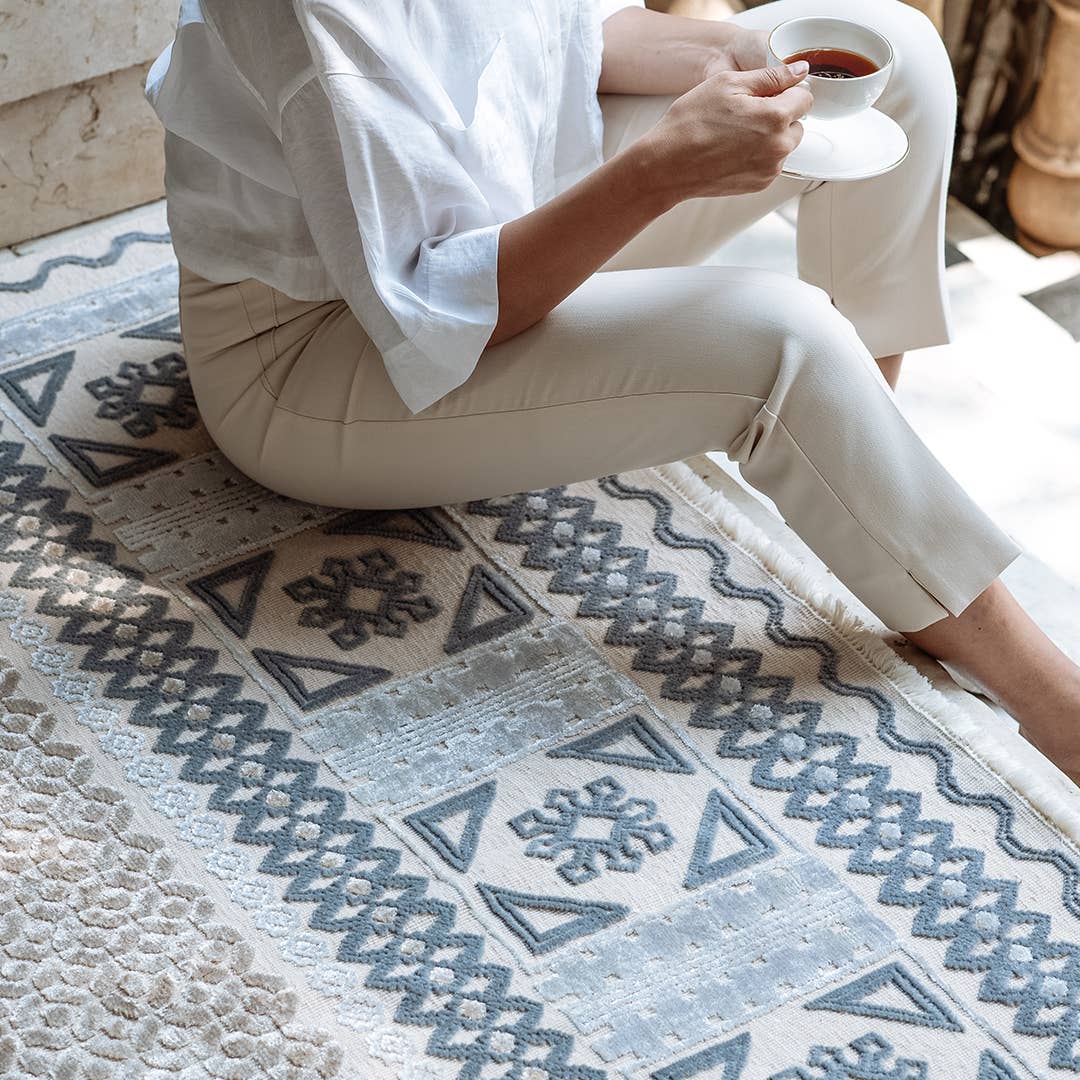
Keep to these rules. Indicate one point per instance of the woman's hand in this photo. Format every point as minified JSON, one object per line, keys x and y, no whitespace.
{"x":651,"y":52}
{"x":745,"y":50}
{"x":729,"y":135}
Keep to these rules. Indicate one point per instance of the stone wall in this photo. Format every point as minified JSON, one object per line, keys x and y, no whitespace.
{"x":77,"y":138}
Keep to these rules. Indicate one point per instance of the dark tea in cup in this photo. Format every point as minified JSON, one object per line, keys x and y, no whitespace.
{"x":850,"y":64}
{"x":835,"y":63}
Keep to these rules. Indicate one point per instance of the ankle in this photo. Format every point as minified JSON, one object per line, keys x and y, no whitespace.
{"x":890,"y":368}
{"x":1052,"y":709}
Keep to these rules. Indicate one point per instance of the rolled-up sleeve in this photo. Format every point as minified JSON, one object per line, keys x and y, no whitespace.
{"x":405,"y":232}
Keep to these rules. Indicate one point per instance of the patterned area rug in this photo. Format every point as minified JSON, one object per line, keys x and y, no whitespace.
{"x":574,"y":784}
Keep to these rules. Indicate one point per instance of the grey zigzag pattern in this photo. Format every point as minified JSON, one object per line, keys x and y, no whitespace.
{"x":794,"y":751}
{"x":384,"y":918}
{"x":116,"y":249}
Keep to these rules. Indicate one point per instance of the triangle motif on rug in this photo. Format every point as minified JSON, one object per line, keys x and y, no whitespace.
{"x":287,"y":670}
{"x":37,"y":400}
{"x":519,"y":913}
{"x":236,"y":613}
{"x":632,"y":742}
{"x":891,"y":982}
{"x":729,"y":1057}
{"x":469,"y":628}
{"x":435,"y":824}
{"x":721,"y":822}
{"x":93,"y":458}
{"x":418,"y":526}
{"x":991,"y":1067}
{"x":166,"y":329}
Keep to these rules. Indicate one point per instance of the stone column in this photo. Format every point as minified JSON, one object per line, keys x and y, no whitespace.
{"x":1044,"y":189}
{"x":77,"y":138}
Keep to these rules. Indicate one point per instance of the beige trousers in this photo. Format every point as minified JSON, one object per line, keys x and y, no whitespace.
{"x":653,"y":360}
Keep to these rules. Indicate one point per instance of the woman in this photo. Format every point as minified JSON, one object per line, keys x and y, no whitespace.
{"x":422,"y":262}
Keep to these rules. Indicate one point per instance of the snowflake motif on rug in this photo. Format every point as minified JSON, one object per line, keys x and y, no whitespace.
{"x":403,"y":939}
{"x":632,"y":831}
{"x":869,"y":1057}
{"x":955,"y":897}
{"x":134,"y":396}
{"x":329,"y":599}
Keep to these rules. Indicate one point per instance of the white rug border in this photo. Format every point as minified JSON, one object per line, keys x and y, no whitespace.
{"x":1033,"y":778}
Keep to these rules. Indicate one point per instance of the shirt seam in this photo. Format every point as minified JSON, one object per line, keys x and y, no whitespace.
{"x":313,"y":77}
{"x":318,"y":76}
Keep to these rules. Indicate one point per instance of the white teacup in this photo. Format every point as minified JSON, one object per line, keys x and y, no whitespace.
{"x":835,"y":99}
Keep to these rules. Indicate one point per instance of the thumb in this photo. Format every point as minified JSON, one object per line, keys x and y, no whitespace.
{"x":770,"y":81}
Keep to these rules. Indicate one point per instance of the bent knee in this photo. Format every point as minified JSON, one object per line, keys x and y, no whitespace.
{"x":817,"y":348}
{"x":805,"y":313}
{"x":790,"y":321}
{"x":922,"y":62}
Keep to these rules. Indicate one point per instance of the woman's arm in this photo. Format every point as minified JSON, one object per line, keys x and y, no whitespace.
{"x":728,"y":135}
{"x":546,"y":254}
{"x":650,"y":52}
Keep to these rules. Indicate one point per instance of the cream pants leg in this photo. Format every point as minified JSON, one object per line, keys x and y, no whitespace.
{"x":651,"y":361}
{"x":874,"y":246}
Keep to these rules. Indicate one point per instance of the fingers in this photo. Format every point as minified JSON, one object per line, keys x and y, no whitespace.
{"x":795,"y":102}
{"x":795,"y":134}
{"x":770,"y":81}
{"x":778,"y":113}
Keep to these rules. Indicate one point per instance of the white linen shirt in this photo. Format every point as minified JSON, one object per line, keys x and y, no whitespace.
{"x":372,"y":149}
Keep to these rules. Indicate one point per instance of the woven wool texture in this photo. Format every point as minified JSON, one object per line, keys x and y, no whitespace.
{"x":572,"y":784}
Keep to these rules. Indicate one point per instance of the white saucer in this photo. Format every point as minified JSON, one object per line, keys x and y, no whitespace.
{"x":855,"y":148}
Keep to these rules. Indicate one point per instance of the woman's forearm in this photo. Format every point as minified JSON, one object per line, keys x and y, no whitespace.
{"x":729,"y":135}
{"x":650,"y":52}
{"x":546,"y":254}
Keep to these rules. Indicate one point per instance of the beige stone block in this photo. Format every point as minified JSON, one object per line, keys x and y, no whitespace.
{"x":45,"y":44}
{"x":76,"y":153}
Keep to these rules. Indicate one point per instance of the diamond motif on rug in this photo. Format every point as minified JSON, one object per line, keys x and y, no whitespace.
{"x":140,"y":397}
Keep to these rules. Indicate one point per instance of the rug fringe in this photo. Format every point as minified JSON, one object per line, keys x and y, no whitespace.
{"x":1007,"y":754}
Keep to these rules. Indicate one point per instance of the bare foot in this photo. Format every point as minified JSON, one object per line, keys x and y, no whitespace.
{"x":1060,"y":744}
{"x":996,"y":646}
{"x":890,"y":368}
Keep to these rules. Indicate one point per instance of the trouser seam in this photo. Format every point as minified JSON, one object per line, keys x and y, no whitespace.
{"x":510,"y":412}
{"x":854,"y":517}
{"x":255,"y":338}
